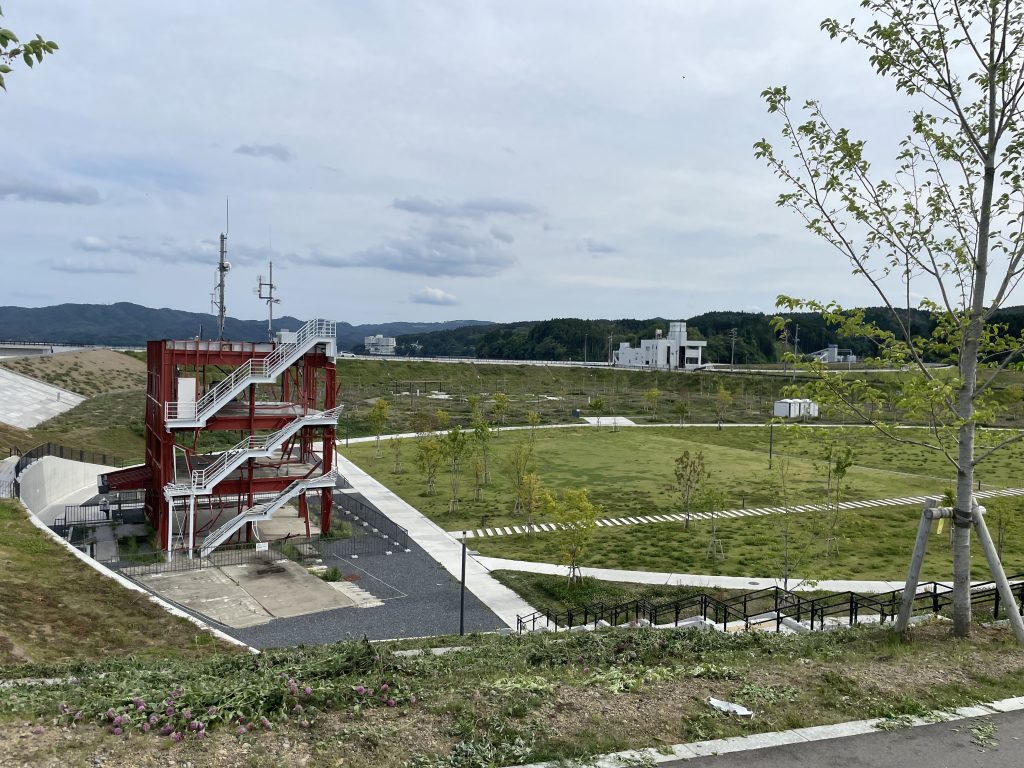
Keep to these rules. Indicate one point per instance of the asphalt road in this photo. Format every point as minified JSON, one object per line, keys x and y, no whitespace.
{"x":943,"y":745}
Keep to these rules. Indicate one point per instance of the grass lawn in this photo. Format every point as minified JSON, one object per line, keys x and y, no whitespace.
{"x":54,"y":608}
{"x":630,"y":472}
{"x":873,"y":544}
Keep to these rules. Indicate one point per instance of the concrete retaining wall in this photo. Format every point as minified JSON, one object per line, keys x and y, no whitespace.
{"x":50,"y":479}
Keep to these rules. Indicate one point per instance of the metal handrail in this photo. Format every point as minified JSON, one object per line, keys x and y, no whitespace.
{"x":263,"y":511}
{"x":268,"y":367}
{"x":203,"y":480}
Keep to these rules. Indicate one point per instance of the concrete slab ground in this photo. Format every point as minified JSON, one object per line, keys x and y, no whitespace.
{"x":26,"y":402}
{"x":240,"y":596}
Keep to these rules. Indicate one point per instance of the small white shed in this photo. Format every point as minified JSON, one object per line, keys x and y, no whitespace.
{"x":795,"y":408}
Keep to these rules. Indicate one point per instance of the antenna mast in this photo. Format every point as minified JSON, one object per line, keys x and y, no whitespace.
{"x":223,"y":267}
{"x":269,"y":298}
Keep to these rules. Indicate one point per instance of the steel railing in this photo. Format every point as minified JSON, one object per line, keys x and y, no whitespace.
{"x":260,"y":371}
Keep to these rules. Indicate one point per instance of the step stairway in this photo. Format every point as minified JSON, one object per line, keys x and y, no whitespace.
{"x":190,"y":414}
{"x":202,"y":481}
{"x":266,"y":510}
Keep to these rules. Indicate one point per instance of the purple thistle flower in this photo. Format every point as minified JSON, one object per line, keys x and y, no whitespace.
{"x":200,"y":734}
{"x":187,"y":714}
{"x":385,"y":687}
{"x":140,"y":706}
{"x":308,"y":691}
{"x":117,"y":731}
{"x":145,"y":727}
{"x":169,"y":711}
{"x":118,"y":720}
{"x":297,"y":708}
{"x":412,"y":698}
{"x":62,"y":709}
{"x":392,"y":703}
{"x":110,"y":714}
{"x":360,"y":690}
{"x":78,"y":715}
{"x":153,"y":718}
{"x":265,"y":723}
{"x":176,"y":736}
{"x":240,"y":730}
{"x":211,"y":711}
{"x":166,"y":730}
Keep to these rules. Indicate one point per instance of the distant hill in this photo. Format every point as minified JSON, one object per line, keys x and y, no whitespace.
{"x":130,"y":324}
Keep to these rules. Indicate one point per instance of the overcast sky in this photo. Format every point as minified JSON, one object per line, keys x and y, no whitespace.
{"x":420,"y":160}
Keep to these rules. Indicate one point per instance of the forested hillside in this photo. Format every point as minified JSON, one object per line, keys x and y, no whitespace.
{"x":574,"y":339}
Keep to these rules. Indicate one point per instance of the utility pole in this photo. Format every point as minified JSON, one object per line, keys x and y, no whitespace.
{"x":609,"y":349}
{"x":269,"y":298}
{"x":732,"y":358}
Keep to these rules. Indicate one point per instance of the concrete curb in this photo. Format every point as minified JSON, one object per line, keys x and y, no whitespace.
{"x":127,"y":584}
{"x":779,"y":738}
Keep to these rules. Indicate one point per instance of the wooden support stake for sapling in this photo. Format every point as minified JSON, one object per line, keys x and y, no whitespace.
{"x":929,"y":513}
{"x":998,"y":574}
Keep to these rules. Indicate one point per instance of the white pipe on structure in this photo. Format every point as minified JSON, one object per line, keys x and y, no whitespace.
{"x":998,"y":574}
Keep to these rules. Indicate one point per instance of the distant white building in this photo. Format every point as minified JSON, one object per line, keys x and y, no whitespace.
{"x":833,"y":354}
{"x":379,"y":345}
{"x":795,"y":408}
{"x":669,"y":353}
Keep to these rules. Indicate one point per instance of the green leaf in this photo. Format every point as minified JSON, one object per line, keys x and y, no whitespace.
{"x":4,"y":69}
{"x":28,"y":59}
{"x":2,"y":83}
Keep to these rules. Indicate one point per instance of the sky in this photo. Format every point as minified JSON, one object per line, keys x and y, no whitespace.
{"x":421,"y":161}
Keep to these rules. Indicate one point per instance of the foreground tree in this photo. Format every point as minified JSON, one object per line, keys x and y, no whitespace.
{"x":13,"y":50}
{"x":946,"y":224}
{"x":455,"y":449}
{"x":429,"y":456}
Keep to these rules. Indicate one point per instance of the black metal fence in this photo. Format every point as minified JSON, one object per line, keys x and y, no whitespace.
{"x":772,"y":606}
{"x":360,"y":513}
{"x":64,"y":452}
{"x":9,"y":490}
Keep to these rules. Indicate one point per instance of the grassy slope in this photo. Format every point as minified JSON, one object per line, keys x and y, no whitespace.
{"x":54,"y":608}
{"x":509,"y":700}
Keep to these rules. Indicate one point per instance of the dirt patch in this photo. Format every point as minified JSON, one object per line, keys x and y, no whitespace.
{"x":88,"y":372}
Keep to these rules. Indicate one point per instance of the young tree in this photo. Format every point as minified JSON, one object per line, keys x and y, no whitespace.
{"x":598,"y":406}
{"x":428,"y":458}
{"x":681,"y":409}
{"x":379,"y":421}
{"x":575,"y":518}
{"x":12,"y":49}
{"x":482,"y":435}
{"x":790,"y":527}
{"x":690,"y":477}
{"x":723,"y":402}
{"x":533,"y":419}
{"x":531,"y":492}
{"x":455,"y":448}
{"x":711,"y":500}
{"x":442,"y":420}
{"x":946,"y":224}
{"x":501,"y":406}
{"x":517,"y":465}
{"x":838,"y":460}
{"x":651,"y":398}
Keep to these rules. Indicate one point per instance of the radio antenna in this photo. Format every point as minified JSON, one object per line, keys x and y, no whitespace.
{"x":268,"y":297}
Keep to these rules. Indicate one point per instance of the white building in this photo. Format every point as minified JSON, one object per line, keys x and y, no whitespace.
{"x":833,"y":354}
{"x":673,"y":352}
{"x":379,"y":345}
{"x":795,"y":408}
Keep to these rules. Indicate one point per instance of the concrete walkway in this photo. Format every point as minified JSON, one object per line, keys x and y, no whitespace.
{"x":446,"y":550}
{"x":689,"y":579}
{"x":26,"y":402}
{"x":612,"y":522}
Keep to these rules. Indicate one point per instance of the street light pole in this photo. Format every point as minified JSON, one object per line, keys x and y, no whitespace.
{"x":462,"y":590}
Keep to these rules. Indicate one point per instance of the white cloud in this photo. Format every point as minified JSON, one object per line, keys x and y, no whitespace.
{"x":429,"y":295}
